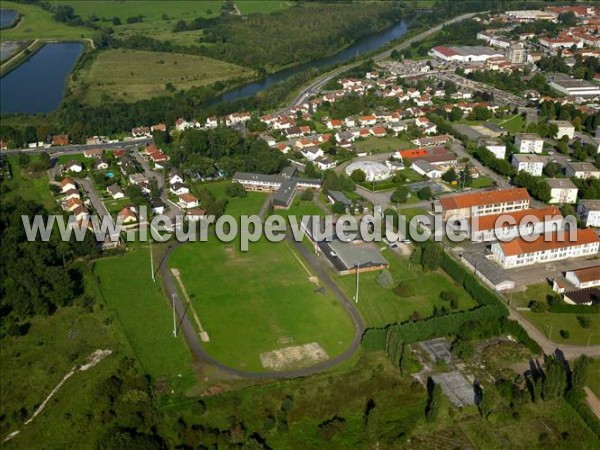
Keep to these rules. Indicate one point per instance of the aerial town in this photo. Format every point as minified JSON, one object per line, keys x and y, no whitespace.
{"x":492,"y":121}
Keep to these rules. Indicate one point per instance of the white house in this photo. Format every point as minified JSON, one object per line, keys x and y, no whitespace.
{"x":427,"y":169}
{"x":211,"y":122}
{"x":565,"y":128}
{"x":73,"y":166}
{"x":589,"y":212}
{"x":312,"y":152}
{"x":531,"y":164}
{"x":115,"y":191}
{"x":529,"y":143}
{"x":67,"y":185}
{"x":584,"y":278}
{"x":188,"y":201}
{"x":179,"y":189}
{"x":584,"y":170}
{"x":325,"y":163}
{"x":562,"y":190}
{"x":175,"y":177}
{"x":520,"y":252}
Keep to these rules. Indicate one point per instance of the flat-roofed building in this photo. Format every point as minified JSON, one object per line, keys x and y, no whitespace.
{"x":562,"y":190}
{"x":573,"y":86}
{"x":529,"y":143}
{"x":589,"y":212}
{"x":465,"y":53}
{"x":484,"y":203}
{"x":565,"y":128}
{"x":583,"y":170}
{"x":531,"y":164}
{"x":498,"y":148}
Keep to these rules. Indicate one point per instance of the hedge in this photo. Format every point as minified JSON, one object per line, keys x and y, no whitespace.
{"x":564,"y":308}
{"x":586,"y":414}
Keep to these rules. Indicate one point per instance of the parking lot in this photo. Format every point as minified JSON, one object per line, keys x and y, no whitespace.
{"x":539,"y":273}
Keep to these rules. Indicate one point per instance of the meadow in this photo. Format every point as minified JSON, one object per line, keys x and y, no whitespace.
{"x":131,"y":75}
{"x":380,"y":305}
{"x":248,"y":301}
{"x":382,"y":145}
{"x":29,"y":186}
{"x":552,"y":323}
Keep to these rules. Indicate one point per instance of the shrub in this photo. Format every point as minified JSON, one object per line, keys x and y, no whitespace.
{"x":584,"y":321}
{"x":565,"y":334}
{"x":404,"y":289}
{"x":538,"y":307}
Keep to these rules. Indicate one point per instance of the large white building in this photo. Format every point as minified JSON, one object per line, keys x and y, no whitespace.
{"x":484,"y":203}
{"x":529,"y":143}
{"x":465,"y":54}
{"x":531,"y":15}
{"x":589,"y":212}
{"x":506,"y":226}
{"x":565,"y":128}
{"x":531,"y":164}
{"x":583,"y":170}
{"x":520,"y":252}
{"x":584,"y":278}
{"x":498,"y":148}
{"x":573,"y":87}
{"x":562,"y":190}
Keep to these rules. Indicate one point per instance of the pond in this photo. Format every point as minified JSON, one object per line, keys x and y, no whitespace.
{"x":8,"y":18}
{"x":37,"y":85}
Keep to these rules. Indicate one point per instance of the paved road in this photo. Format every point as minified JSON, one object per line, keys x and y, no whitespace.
{"x":321,"y":81}
{"x":97,"y":202}
{"x":460,"y":152}
{"x":549,"y":347}
{"x":79,"y":148}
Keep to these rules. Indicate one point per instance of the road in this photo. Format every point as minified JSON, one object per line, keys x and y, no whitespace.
{"x":460,"y":152}
{"x":549,"y":347}
{"x":77,"y":148}
{"x":97,"y":202}
{"x":321,"y":81}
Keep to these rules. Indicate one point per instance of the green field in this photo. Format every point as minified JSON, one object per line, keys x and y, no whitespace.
{"x":248,"y":301}
{"x":482,"y":182}
{"x":552,"y":323}
{"x":38,"y":23}
{"x":145,"y":316}
{"x":130,"y":75}
{"x":382,"y":145}
{"x":514,"y":125}
{"x":29,"y":186}
{"x":380,"y":306}
{"x":537,"y":292}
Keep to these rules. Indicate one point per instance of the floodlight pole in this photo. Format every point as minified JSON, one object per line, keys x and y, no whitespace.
{"x":151,"y":258}
{"x":357,"y":278}
{"x":174,"y":318}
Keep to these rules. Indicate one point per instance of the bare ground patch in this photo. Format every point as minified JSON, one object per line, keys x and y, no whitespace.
{"x":294,"y":356}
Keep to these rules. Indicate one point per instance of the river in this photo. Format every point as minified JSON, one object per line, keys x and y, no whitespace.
{"x":37,"y":85}
{"x":364,"y":45}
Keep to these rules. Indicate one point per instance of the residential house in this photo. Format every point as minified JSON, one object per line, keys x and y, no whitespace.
{"x":100,"y":164}
{"x":531,"y":164}
{"x":581,"y":297}
{"x":432,"y":141}
{"x":127,"y":215}
{"x":161,"y":127}
{"x":157,"y":205}
{"x":520,"y":252}
{"x":179,"y":189}
{"x":583,"y":170}
{"x":67,"y":184}
{"x":584,"y":278}
{"x":325,"y":163}
{"x":334,"y":124}
{"x":562,"y":190}
{"x":195,"y":214}
{"x":80,"y":213}
{"x":93,"y":153}
{"x":529,"y":143}
{"x":484,"y":203}
{"x":71,"y":193}
{"x":73,"y":203}
{"x":211,"y":122}
{"x":188,"y":201}
{"x":589,"y":212}
{"x":60,"y":139}
{"x":312,"y":152}
{"x":139,"y":132}
{"x":73,"y":166}
{"x":115,"y":191}
{"x":175,"y":176}
{"x":368,"y":120}
{"x":237,"y":118}
{"x":137,"y":178}
{"x":350,"y":122}
{"x":378,"y":131}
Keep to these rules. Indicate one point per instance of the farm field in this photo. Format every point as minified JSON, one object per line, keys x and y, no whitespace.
{"x":145,"y":316}
{"x":380,"y":306}
{"x":38,"y":23}
{"x":130,"y":75}
{"x":554,"y":322}
{"x":258,"y":301}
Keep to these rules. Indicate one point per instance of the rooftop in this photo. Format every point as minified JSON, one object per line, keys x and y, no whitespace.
{"x":484,"y":198}
{"x":560,"y":183}
{"x":491,"y":222}
{"x":520,"y":246}
{"x":587,"y":274}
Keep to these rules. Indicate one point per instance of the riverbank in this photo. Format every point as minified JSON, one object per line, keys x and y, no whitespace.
{"x":16,"y":60}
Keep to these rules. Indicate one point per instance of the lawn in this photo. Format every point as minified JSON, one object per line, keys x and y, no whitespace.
{"x":29,"y":186}
{"x":248,"y":301}
{"x":130,"y":75}
{"x":482,"y":182}
{"x":514,"y":125}
{"x":380,"y":306}
{"x":594,"y":376}
{"x":553,"y":323}
{"x":38,"y":23}
{"x":382,"y":145}
{"x":537,"y":292}
{"x":236,"y":206}
{"x":145,"y":316}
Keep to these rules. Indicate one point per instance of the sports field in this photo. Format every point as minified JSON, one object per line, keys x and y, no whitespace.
{"x":380,"y":306}
{"x":258,"y":301}
{"x":130,"y":75}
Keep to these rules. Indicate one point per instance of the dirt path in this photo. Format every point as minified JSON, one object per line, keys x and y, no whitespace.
{"x":593,"y":401}
{"x":92,"y":360}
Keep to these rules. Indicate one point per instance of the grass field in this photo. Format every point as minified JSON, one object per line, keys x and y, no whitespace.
{"x":38,"y":23}
{"x":482,"y":182}
{"x":33,"y":187}
{"x":514,"y":125}
{"x":552,"y":322}
{"x":130,"y":75}
{"x":145,"y":316}
{"x":380,"y":306}
{"x":248,"y":301}
{"x":382,"y":145}
{"x":537,"y":292}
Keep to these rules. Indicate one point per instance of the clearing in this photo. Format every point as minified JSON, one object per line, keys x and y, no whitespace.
{"x":258,"y":301}
{"x":130,"y":75}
